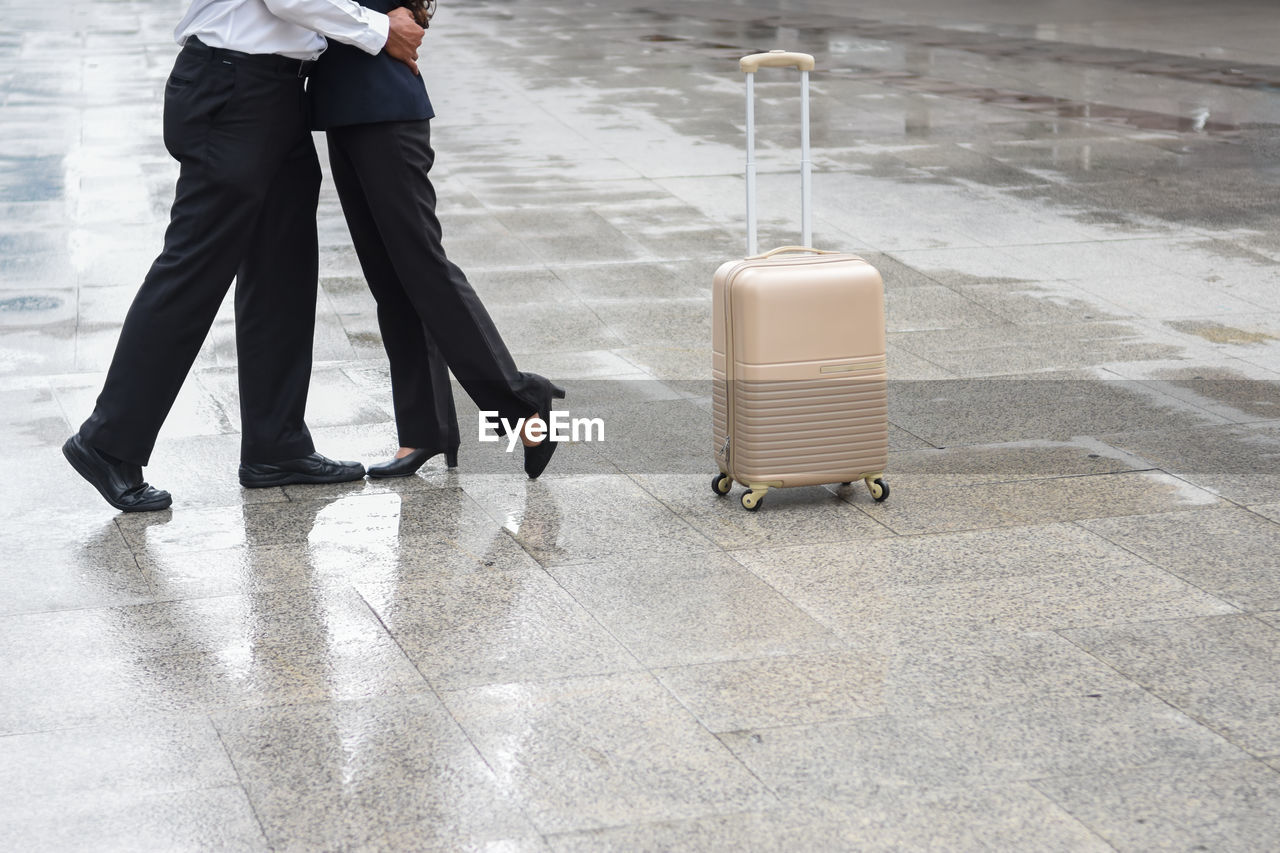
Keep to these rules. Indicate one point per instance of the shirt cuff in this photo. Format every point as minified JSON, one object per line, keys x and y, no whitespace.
{"x":375,"y":38}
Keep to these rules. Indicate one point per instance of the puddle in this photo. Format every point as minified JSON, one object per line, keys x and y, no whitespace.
{"x":29,"y":303}
{"x":1048,"y":105}
{"x":1220,"y":334}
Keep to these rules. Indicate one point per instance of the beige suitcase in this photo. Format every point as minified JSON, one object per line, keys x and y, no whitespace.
{"x":800,"y":392}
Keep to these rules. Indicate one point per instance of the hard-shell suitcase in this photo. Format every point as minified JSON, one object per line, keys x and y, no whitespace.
{"x":800,"y":393}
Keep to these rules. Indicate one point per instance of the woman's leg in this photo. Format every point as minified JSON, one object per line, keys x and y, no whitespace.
{"x":391,"y":161}
{"x":420,"y":386}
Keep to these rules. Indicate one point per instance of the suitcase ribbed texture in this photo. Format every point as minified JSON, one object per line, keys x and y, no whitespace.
{"x":797,"y":432}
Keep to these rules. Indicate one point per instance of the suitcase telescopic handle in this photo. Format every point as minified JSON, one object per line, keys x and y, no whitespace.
{"x":749,"y":65}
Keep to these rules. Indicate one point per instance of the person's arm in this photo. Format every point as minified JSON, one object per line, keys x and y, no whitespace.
{"x":349,"y":22}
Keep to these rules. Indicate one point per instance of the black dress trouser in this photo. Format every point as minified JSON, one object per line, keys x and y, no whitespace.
{"x":245,"y":208}
{"x":380,"y":171}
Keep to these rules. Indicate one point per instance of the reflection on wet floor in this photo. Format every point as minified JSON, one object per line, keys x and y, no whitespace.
{"x":1061,"y":632}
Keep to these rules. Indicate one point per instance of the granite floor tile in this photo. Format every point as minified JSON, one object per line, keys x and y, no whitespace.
{"x":1232,"y":805}
{"x":991,"y":410}
{"x":77,"y":667}
{"x":474,"y":629}
{"x":1007,"y":817}
{"x":609,"y":751}
{"x":827,"y":571}
{"x":708,"y":608}
{"x":1219,"y":670}
{"x":1038,"y":356}
{"x":919,"y":308}
{"x":906,"y":366}
{"x":553,"y":327}
{"x":1234,"y":389}
{"x":667,"y":280}
{"x":671,"y":361}
{"x":784,"y":690}
{"x":1271,"y":511}
{"x":390,"y":558}
{"x":889,"y":672}
{"x":789,"y":516}
{"x":585,"y":364}
{"x":1024,"y":579}
{"x":1040,"y":302}
{"x":965,"y":265}
{"x":1002,"y":463}
{"x":580,"y":519}
{"x":98,"y":571}
{"x":938,"y":509}
{"x":148,"y":755}
{"x":991,"y":745}
{"x":1228,"y":552}
{"x":347,"y":775}
{"x":31,"y":418}
{"x":211,"y":818}
{"x":654,"y":437}
{"x":537,"y":285}
{"x":1241,"y":463}
{"x":639,"y":321}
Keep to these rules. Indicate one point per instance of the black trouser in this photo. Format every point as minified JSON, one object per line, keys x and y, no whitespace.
{"x":380,"y":171}
{"x":245,"y":208}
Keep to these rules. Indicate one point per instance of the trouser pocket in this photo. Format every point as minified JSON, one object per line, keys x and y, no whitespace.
{"x":198,"y":88}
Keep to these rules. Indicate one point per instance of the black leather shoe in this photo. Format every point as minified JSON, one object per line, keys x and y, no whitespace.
{"x":410,"y":464}
{"x":119,"y":482}
{"x":309,"y":469}
{"x":538,"y":455}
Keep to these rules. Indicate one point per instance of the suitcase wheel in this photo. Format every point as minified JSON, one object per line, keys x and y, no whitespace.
{"x":752,"y":499}
{"x":879,"y":489}
{"x":721,"y":484}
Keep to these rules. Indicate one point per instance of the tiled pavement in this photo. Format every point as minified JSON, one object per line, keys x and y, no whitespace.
{"x":1062,"y":631}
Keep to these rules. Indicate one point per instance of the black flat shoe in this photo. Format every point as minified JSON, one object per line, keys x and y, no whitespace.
{"x":119,"y":482}
{"x":407,"y":465}
{"x":538,"y":455}
{"x":306,"y":470}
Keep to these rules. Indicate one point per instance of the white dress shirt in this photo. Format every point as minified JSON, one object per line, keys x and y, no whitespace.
{"x":293,"y":28}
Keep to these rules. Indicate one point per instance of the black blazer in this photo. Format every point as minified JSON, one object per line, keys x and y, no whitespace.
{"x":348,"y":86}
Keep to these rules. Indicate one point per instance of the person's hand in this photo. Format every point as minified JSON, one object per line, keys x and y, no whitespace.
{"x":403,"y":37}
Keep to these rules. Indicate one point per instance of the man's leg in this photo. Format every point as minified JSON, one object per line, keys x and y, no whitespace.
{"x":426,"y":417}
{"x":276,"y":312}
{"x":215,"y":206}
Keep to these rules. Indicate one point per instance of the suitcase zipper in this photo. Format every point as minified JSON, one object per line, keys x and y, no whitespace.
{"x":728,"y":363}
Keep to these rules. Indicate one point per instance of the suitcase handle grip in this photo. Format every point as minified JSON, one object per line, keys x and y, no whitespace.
{"x":781,"y":249}
{"x":776,"y":59}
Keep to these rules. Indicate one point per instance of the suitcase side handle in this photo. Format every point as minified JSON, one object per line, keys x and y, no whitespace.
{"x":776,"y":59}
{"x":749,"y":65}
{"x":791,"y":249}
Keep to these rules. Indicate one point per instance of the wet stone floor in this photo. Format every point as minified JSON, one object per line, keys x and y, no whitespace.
{"x":1061,"y":632}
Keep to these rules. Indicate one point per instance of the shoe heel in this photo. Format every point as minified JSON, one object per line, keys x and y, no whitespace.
{"x":451,"y":458}
{"x":557,"y":392}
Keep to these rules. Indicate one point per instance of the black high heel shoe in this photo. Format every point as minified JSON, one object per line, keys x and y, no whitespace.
{"x":407,"y":465}
{"x":536,"y":456}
